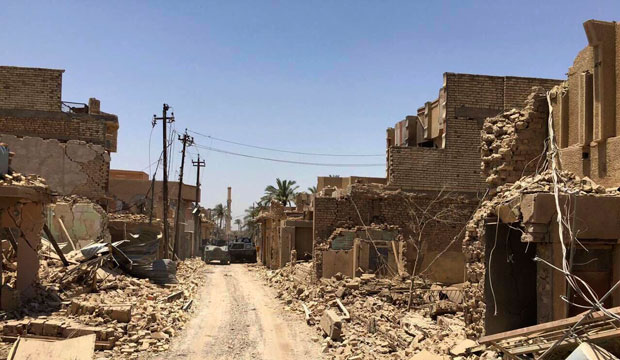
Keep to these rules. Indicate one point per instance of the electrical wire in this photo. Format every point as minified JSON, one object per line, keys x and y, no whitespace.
{"x":281,"y":150}
{"x":282,"y":160}
{"x":576,"y":283}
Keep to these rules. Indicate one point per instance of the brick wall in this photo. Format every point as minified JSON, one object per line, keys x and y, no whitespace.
{"x":56,"y":125}
{"x":379,"y":206}
{"x":74,"y":167}
{"x":469,"y":100}
{"x":586,"y":109}
{"x":513,"y":143}
{"x":30,"y":88}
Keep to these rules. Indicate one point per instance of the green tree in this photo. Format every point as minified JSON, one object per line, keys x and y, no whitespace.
{"x":312,"y":189}
{"x":284,"y":192}
{"x":238,"y":223}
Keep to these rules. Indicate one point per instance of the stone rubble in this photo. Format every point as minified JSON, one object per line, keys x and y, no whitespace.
{"x":17,"y":179}
{"x":131,"y":317}
{"x":379,"y":327}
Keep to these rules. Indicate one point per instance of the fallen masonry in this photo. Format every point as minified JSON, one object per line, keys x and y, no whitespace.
{"x":128,"y":316}
{"x":367,"y":317}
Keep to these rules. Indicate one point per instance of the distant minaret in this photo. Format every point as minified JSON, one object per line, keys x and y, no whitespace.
{"x":228,"y":211}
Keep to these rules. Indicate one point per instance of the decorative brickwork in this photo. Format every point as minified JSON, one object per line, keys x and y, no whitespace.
{"x":586,"y":108}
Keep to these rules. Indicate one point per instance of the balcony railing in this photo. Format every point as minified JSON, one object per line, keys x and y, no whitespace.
{"x":74,"y":107}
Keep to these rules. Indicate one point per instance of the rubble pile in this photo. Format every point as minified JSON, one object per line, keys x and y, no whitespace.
{"x":508,"y":200}
{"x":128,"y":315}
{"x":136,"y":218}
{"x":367,"y":317}
{"x":18,"y":179}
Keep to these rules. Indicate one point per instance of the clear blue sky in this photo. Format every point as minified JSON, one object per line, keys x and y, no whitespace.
{"x":310,"y":76}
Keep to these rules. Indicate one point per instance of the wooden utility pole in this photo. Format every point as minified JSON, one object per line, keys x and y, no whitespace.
{"x":197,"y":228}
{"x":165,"y":119}
{"x":186,"y":140}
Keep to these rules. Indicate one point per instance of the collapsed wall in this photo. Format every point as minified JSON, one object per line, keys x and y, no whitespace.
{"x":508,"y":208}
{"x":85,"y":221}
{"x":364,"y":249}
{"x":432,"y":220}
{"x":513,"y":143}
{"x":512,"y":146}
{"x":71,"y":168}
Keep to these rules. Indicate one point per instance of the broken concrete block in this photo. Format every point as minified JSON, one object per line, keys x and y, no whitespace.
{"x":352,"y":284}
{"x":81,"y":348}
{"x":340,"y":292}
{"x":13,"y":327}
{"x":120,"y":313}
{"x":36,"y":327}
{"x":51,"y":328}
{"x":462,"y":347}
{"x":368,"y":277}
{"x":331,"y":324}
{"x":443,"y":307}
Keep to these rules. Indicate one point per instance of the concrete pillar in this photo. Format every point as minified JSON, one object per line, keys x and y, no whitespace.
{"x":30,"y":219}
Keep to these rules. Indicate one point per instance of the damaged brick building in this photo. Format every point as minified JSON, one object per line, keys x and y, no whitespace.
{"x":66,"y":143}
{"x":285,"y":233}
{"x":130,"y":192}
{"x":62,"y":150}
{"x":513,"y":242}
{"x":433,"y":182}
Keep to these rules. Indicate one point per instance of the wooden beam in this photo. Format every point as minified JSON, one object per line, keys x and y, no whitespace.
{"x":66,"y":233}
{"x":549,"y":326}
{"x":51,"y":238}
{"x":605,"y":335}
{"x":12,"y":239}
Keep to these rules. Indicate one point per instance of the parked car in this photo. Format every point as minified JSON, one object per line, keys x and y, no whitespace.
{"x":242,"y":250}
{"x":217,"y":252}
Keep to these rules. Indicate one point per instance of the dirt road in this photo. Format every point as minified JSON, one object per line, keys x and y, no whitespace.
{"x":239,"y":318}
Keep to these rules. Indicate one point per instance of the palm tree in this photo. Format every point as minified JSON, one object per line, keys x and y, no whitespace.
{"x":219,"y":212}
{"x":250,"y":216}
{"x":312,"y":189}
{"x":238,"y":223}
{"x":284,"y":192}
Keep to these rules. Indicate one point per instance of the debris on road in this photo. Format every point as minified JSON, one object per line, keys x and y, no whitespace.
{"x":127,"y":315}
{"x":379,"y":326}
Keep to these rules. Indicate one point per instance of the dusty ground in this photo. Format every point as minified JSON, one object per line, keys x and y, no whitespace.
{"x":239,"y":318}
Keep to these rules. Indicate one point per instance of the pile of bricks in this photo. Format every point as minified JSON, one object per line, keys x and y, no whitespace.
{"x":55,"y":329}
{"x":513,"y":143}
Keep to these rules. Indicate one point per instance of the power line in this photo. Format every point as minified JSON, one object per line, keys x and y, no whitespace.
{"x":284,"y":151}
{"x":283,"y":161}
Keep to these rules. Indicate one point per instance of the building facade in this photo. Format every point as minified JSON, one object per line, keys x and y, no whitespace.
{"x":68,"y":144}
